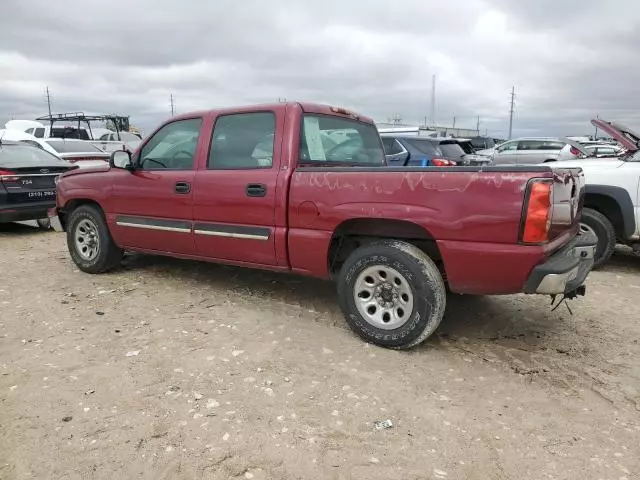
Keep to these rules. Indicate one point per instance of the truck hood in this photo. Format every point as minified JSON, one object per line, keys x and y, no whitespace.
{"x":623,"y":135}
{"x":97,"y":167}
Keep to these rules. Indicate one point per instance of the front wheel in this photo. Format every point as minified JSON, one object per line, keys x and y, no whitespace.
{"x":596,"y":223}
{"x":391,"y":294}
{"x":89,"y":241}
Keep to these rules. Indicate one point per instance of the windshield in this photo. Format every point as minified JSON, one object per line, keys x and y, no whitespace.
{"x":424,"y":146}
{"x":482,"y":143}
{"x":62,"y":146}
{"x":328,"y":139}
{"x":69,"y":132}
{"x":26,"y":154}
{"x":452,"y":151}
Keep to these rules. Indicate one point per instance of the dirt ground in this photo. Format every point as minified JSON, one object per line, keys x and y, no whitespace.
{"x":167,"y":369}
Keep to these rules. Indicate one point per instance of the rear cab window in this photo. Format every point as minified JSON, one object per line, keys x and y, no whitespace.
{"x":330,"y":140}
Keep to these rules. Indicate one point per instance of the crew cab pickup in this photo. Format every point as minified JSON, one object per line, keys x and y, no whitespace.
{"x":304,"y":188}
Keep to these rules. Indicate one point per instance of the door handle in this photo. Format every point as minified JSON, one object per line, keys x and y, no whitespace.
{"x":256,"y":190}
{"x":183,"y":187}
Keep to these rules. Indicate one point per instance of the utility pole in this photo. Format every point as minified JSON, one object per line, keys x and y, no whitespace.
{"x":595,"y":137}
{"x":513,"y":104}
{"x":48,"y":100}
{"x":172,"y":105}
{"x":433,"y":100}
{"x":454,"y":121}
{"x":478,"y":125}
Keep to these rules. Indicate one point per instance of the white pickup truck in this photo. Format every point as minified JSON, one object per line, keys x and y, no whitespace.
{"x":612,"y":203}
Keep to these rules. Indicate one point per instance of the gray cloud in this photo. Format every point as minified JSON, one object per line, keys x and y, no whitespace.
{"x":568,"y":60}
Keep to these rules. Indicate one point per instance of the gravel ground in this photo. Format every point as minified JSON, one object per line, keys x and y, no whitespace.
{"x":168,"y":369}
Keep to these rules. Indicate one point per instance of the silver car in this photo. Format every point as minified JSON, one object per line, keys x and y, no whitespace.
{"x":527,"y":151}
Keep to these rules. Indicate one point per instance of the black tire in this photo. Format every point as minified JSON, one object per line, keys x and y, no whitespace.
{"x":44,"y":223}
{"x":603,"y":228}
{"x":423,"y":279}
{"x":107,"y":255}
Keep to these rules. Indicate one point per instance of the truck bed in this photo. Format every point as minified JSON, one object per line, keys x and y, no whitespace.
{"x":473,"y":215}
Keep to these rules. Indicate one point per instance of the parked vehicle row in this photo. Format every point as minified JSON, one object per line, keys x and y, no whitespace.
{"x":411,"y":150}
{"x":305,"y":188}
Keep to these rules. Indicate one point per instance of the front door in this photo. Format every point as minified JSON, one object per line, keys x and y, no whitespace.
{"x":506,"y":154}
{"x":152,"y":206}
{"x":235,"y":194}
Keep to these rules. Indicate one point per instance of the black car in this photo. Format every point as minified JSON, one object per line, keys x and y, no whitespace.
{"x":412,"y":151}
{"x":27,"y":181}
{"x":482,"y":143}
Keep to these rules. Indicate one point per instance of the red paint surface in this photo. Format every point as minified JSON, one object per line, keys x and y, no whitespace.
{"x":475,"y":217}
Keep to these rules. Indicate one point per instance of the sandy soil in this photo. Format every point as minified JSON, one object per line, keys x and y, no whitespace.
{"x":168,"y":369}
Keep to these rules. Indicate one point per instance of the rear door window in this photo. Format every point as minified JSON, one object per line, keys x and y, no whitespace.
{"x":326,"y":139}
{"x":529,"y":145}
{"x":243,"y":141}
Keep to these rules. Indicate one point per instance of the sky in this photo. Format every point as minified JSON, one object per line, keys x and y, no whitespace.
{"x":569,"y":60}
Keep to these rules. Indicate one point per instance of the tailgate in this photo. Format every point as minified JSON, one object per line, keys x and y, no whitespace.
{"x":568,"y":199}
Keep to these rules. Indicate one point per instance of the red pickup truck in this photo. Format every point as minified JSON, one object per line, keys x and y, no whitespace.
{"x":304,"y":188}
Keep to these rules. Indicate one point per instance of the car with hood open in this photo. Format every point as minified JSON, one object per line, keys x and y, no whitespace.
{"x":612,"y":203}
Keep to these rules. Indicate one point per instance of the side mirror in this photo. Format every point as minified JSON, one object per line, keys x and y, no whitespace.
{"x":121,"y":159}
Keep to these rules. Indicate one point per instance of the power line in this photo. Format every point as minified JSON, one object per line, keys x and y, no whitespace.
{"x":513,"y":104}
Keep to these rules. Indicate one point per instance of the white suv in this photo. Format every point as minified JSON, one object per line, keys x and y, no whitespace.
{"x":527,"y":151}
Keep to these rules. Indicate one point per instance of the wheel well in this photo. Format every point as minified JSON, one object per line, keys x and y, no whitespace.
{"x":354,"y":233}
{"x":608,"y":207}
{"x":71,"y":205}
{"x":550,"y":160}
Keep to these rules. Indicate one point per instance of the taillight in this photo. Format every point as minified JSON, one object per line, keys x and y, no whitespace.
{"x":574,"y":151}
{"x":440,"y":162}
{"x":8,"y":177}
{"x":537,"y":219}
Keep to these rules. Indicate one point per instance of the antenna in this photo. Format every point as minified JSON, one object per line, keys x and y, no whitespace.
{"x":48,"y":100}
{"x":172,"y":105}
{"x":513,"y":105}
{"x":433,"y":100}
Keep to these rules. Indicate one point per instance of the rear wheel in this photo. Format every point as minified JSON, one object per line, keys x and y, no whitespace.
{"x":89,"y":241}
{"x":391,"y":294}
{"x":596,"y":223}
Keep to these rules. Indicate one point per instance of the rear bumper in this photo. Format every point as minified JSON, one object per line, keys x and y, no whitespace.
{"x":22,"y":212}
{"x":566,"y":270}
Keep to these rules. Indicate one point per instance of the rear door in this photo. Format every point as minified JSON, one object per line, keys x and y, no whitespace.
{"x":235,"y":194}
{"x":152,"y":207}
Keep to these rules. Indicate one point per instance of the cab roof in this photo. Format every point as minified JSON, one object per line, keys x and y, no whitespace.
{"x":306,"y":107}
